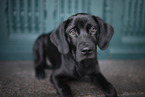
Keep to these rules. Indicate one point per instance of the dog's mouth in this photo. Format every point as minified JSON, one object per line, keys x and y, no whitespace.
{"x":86,"y":63}
{"x":85,"y":55}
{"x":86,"y":60}
{"x":84,"y":51}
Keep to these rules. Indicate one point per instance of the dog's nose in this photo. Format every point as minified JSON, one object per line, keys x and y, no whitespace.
{"x":86,"y":51}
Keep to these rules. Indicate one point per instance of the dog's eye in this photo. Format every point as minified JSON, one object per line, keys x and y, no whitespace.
{"x":73,"y":32}
{"x":93,"y":30}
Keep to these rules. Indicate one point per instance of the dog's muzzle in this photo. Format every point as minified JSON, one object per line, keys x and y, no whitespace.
{"x":85,"y":51}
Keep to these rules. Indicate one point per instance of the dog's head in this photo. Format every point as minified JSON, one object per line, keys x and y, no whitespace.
{"x":80,"y":34}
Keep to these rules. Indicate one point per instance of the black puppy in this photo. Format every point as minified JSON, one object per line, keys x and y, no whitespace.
{"x":71,"y":52}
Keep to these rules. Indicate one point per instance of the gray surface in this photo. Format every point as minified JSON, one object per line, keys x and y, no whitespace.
{"x":17,"y":80}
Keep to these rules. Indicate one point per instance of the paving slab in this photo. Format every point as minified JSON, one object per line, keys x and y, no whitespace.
{"x":17,"y":79}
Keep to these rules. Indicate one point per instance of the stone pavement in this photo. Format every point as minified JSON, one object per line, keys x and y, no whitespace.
{"x":17,"y":80}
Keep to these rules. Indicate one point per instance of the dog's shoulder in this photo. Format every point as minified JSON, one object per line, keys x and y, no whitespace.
{"x":44,"y":42}
{"x":43,"y":36}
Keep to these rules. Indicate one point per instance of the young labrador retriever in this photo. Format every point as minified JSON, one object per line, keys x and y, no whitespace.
{"x":71,"y":52}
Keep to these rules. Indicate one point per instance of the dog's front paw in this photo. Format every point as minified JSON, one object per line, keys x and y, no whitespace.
{"x":40,"y":75}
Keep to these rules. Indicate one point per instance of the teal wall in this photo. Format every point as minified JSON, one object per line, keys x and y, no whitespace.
{"x":22,"y":21}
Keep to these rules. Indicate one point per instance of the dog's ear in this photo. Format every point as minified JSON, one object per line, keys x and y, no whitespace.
{"x":106,"y":33}
{"x":58,"y":38}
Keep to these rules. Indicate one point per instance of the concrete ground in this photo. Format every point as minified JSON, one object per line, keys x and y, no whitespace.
{"x":17,"y":80}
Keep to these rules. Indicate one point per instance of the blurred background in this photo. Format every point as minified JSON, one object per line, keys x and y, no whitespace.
{"x":22,"y":21}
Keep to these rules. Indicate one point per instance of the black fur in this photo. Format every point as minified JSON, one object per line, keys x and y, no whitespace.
{"x":71,"y":51}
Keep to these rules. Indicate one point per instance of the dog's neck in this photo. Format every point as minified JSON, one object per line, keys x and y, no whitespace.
{"x":86,"y":67}
{"x":80,"y":69}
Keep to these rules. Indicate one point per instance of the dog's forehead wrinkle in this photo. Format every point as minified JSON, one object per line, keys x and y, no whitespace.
{"x":83,"y":21}
{"x":80,"y":21}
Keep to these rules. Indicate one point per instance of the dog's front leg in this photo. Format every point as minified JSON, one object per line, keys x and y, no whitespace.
{"x":99,"y":80}
{"x":61,"y":85}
